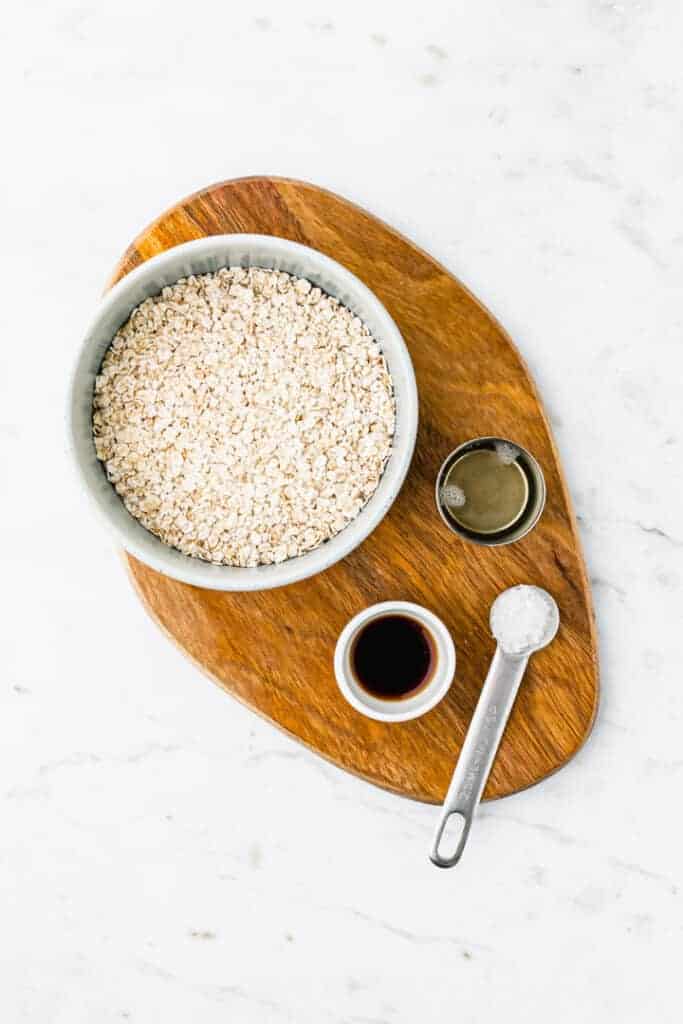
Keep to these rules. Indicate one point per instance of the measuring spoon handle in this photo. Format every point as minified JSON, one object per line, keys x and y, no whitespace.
{"x":479,"y":750}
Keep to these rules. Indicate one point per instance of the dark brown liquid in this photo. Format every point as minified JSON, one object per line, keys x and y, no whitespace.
{"x":393,"y":657}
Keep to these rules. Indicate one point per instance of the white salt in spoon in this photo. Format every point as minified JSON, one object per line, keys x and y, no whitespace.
{"x":523,"y":620}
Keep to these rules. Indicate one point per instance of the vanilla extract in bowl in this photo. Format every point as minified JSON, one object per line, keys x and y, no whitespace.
{"x":393,"y":657}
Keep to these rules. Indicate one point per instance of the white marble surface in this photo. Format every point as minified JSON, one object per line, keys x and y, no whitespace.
{"x":164,"y":855}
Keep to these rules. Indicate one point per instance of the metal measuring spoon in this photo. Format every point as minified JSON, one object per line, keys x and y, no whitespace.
{"x":491,"y":714}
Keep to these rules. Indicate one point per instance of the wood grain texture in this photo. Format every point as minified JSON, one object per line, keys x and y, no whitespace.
{"x":273,"y":650}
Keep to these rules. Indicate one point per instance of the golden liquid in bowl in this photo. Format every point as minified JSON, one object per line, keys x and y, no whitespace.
{"x":495,"y":491}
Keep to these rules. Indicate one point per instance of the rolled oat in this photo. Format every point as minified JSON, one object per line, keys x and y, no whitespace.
{"x":244,"y":417}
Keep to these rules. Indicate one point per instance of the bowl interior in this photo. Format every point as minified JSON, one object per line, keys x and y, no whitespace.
{"x":204,"y":256}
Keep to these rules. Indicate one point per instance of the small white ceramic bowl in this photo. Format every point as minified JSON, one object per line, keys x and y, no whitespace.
{"x":396,"y":710}
{"x":200,"y":257}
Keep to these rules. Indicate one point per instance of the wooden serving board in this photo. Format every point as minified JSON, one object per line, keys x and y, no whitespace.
{"x":273,"y":650}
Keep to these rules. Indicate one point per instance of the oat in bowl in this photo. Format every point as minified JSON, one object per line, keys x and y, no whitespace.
{"x":253,"y":407}
{"x":244,"y":417}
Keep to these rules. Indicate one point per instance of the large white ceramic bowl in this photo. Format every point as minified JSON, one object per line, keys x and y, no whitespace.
{"x":200,"y":257}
